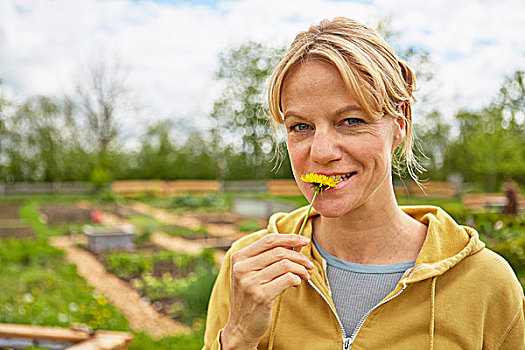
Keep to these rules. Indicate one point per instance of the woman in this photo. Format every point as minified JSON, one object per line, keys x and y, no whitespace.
{"x":367,"y":273}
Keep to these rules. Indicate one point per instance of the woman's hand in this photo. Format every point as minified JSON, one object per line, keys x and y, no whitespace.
{"x":260,"y":272}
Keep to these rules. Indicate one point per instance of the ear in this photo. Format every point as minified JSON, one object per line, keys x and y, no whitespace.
{"x":399,"y":125}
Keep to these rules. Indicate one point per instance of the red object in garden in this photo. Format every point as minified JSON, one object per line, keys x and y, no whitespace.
{"x":96,"y":216}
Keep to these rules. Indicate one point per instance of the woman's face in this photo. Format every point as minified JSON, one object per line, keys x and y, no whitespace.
{"x":328,"y":133}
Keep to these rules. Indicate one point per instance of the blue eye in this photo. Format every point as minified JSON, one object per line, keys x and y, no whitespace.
{"x":299,"y":127}
{"x":352,"y":121}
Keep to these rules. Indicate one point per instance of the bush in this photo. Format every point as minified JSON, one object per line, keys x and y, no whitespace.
{"x":191,"y":202}
{"x":249,"y":226}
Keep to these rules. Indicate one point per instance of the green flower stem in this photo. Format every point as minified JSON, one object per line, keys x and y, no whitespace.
{"x":317,"y":190}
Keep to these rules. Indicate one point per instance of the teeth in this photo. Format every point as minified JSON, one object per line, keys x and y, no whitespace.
{"x":341,"y":177}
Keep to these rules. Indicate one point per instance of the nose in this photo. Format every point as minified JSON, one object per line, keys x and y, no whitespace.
{"x":325,"y":147}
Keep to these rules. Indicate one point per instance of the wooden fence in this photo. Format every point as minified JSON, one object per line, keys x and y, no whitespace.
{"x":430,"y":189}
{"x":22,"y":188}
{"x":158,"y":188}
{"x":480,"y":201}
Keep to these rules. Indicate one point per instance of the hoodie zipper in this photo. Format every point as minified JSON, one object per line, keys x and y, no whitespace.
{"x":347,"y":343}
{"x":363,"y":319}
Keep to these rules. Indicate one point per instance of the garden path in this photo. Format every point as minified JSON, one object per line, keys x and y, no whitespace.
{"x":188,"y":221}
{"x":142,"y":317}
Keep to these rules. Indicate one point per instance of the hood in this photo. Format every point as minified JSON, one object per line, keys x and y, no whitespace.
{"x":445,"y":245}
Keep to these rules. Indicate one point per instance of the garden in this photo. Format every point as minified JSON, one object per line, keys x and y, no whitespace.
{"x":40,"y":285}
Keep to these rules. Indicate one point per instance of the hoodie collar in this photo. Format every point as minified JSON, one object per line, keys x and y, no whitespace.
{"x":445,"y":245}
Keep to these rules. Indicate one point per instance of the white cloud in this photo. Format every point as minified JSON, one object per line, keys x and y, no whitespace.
{"x":171,"y":51}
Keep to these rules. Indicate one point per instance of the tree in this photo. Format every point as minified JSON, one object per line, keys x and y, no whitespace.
{"x":103,"y":98}
{"x":240,"y":114}
{"x":491,"y":143}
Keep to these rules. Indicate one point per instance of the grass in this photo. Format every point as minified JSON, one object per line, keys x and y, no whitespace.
{"x":38,"y":287}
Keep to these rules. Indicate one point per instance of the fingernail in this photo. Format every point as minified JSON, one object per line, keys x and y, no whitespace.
{"x":305,"y":239}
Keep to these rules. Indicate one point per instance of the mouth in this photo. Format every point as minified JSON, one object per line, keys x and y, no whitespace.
{"x":341,"y":178}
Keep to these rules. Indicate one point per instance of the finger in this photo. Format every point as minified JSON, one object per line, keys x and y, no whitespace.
{"x":280,"y":268}
{"x":276,"y":254}
{"x":273,"y":240}
{"x":281,"y":283}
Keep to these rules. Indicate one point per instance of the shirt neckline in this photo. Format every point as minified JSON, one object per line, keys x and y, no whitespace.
{"x":362,"y":268}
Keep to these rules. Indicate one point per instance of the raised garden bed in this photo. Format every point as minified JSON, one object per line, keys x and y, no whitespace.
{"x":62,"y":213}
{"x":177,"y":285}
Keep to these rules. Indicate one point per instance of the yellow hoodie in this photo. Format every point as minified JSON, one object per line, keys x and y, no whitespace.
{"x":459,"y":295}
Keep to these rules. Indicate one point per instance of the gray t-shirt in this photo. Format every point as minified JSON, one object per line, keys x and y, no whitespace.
{"x":357,"y":288}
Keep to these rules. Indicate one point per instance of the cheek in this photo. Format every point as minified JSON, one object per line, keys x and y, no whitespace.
{"x":297,"y":152}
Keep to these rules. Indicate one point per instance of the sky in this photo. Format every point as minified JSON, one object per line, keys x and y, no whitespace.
{"x":169,"y":48}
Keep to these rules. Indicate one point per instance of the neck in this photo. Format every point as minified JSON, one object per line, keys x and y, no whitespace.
{"x":371,"y":234}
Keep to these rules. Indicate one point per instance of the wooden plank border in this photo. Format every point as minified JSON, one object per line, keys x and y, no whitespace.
{"x":99,"y":340}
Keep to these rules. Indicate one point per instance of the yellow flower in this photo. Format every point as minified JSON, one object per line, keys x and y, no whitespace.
{"x":319,"y":181}
{"x":101,"y":300}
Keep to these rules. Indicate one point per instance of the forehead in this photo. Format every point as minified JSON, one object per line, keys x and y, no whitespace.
{"x":312,"y":85}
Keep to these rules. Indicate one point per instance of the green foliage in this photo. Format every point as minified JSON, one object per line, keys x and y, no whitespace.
{"x":196,"y":294}
{"x":185,"y":231}
{"x":187,"y":278}
{"x":105,"y":195}
{"x":128,"y":265}
{"x":100,"y":177}
{"x":242,"y":131}
{"x":491,"y":144}
{"x":249,"y":226}
{"x":192,"y":202}
{"x":29,"y":253}
{"x":142,"y":341}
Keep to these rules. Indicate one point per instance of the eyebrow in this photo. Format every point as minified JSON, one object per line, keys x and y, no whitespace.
{"x":351,"y":108}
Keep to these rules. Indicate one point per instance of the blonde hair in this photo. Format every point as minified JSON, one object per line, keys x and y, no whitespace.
{"x":380,"y":82}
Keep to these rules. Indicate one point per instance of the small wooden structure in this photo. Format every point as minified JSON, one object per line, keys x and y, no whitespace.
{"x":283,"y":188}
{"x":70,"y":339}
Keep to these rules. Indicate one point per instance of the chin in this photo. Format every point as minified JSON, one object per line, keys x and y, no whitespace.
{"x":331,"y":209}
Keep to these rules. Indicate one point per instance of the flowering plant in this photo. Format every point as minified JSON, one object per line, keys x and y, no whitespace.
{"x":320,"y":183}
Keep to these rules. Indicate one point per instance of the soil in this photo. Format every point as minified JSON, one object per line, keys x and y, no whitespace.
{"x":57,"y":214}
{"x":10,"y":224}
{"x":9,"y":211}
{"x":18,"y":233}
